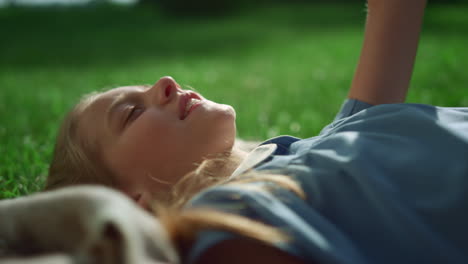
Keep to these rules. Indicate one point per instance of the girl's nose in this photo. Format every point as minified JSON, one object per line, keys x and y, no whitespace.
{"x":164,"y":90}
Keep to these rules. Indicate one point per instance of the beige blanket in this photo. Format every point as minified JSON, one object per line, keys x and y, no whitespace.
{"x":86,"y":224}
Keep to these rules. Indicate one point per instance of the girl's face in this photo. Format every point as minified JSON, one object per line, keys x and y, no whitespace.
{"x":151,"y":136}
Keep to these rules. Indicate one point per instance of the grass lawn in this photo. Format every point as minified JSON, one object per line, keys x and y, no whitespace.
{"x":285,"y":69}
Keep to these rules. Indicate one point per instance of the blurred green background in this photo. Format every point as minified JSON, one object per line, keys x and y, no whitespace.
{"x":284,"y":65}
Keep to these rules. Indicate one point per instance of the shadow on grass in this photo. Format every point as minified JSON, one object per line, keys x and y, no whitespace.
{"x":80,"y":37}
{"x":90,"y":36}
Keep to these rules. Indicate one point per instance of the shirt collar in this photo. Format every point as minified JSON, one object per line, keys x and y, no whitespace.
{"x":275,"y":146}
{"x":256,"y":156}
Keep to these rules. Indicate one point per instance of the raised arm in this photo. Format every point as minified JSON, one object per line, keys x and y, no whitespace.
{"x":387,"y":58}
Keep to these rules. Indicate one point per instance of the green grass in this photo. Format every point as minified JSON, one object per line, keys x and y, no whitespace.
{"x":286,"y":70}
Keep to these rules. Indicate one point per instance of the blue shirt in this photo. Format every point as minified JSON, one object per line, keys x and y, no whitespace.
{"x":384,"y":184}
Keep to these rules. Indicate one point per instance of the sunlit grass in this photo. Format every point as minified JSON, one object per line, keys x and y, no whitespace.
{"x":286,"y":69}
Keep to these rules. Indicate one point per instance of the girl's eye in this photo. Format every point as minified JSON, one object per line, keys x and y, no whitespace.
{"x":133,"y":114}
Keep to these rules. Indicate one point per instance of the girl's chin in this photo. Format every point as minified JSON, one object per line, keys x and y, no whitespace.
{"x":230,"y":111}
{"x":221,"y":110}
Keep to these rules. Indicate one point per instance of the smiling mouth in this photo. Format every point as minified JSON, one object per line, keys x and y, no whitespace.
{"x":191,"y":105}
{"x":188,"y":102}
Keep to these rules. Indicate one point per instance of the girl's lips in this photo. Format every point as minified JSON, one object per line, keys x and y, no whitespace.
{"x":195,"y":105}
{"x":184,"y":100}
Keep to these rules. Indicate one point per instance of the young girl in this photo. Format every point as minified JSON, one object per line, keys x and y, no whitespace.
{"x":383,"y":183}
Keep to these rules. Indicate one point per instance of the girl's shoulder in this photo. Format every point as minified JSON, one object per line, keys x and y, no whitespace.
{"x":359,"y":116}
{"x":351,"y":107}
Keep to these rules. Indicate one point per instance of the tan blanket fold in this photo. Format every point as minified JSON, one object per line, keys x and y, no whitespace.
{"x":84,"y":224}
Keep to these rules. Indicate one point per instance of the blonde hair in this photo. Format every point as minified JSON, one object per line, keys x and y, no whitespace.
{"x":76,"y":161}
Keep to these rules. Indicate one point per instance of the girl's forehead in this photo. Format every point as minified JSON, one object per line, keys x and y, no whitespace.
{"x":104,"y":99}
{"x":124,"y":89}
{"x":94,"y":117}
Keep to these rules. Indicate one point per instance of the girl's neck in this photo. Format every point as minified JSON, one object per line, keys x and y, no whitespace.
{"x":233,"y":160}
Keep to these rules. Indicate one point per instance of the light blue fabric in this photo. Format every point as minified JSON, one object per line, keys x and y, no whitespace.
{"x":384,"y":184}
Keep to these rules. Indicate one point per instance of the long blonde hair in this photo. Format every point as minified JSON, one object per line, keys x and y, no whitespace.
{"x":76,"y":161}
